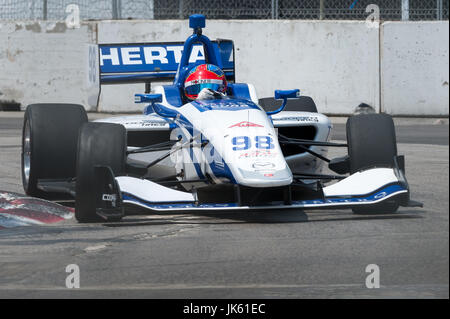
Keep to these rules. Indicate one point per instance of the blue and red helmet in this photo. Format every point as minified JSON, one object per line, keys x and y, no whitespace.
{"x":204,"y":76}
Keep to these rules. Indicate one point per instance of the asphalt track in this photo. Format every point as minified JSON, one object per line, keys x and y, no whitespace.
{"x":290,"y":254}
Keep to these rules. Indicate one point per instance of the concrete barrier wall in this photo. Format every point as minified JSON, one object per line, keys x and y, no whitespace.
{"x":414,"y":68}
{"x":335,"y":62}
{"x":44,"y":62}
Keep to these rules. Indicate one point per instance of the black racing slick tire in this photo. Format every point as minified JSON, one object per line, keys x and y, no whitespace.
{"x":371,"y":143}
{"x":99,"y":144}
{"x":49,"y":144}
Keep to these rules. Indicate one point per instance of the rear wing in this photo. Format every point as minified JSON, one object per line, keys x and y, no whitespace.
{"x":147,"y":62}
{"x":156,"y":62}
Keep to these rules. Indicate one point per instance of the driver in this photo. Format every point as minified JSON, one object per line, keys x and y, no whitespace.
{"x":205,"y":82}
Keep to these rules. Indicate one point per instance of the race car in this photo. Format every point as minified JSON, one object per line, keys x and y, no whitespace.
{"x":230,"y":152}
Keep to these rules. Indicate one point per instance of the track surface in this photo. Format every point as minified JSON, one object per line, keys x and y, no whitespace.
{"x":293,"y":254}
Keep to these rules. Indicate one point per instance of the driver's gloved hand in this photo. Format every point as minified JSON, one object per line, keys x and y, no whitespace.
{"x":208,"y":94}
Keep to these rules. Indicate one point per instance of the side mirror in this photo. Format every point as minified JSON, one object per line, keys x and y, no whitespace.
{"x":159,"y":109}
{"x":147,"y":98}
{"x":284,"y":95}
{"x":287,"y":94}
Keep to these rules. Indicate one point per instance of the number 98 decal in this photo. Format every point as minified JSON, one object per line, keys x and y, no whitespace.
{"x":242,"y":143}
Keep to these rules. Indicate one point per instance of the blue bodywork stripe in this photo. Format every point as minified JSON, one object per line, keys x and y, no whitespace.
{"x":240,"y":90}
{"x":173,"y":97}
{"x":225,"y":104}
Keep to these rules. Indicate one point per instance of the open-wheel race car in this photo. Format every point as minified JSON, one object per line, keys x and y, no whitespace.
{"x":223,"y":152}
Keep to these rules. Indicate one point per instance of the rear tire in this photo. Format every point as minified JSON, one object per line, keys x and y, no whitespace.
{"x":371,"y":143}
{"x":302,"y":104}
{"x":102,"y":144}
{"x":49,"y":144}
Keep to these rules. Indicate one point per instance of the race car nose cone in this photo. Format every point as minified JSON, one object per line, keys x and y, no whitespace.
{"x":265,"y":177}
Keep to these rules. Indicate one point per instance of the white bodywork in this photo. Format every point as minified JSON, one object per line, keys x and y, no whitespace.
{"x":362,"y":182}
{"x":254,"y":167}
{"x":218,"y":140}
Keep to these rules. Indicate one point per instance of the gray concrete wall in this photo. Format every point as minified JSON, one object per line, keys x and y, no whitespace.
{"x":44,"y":62}
{"x":335,"y":62}
{"x":414,"y":68}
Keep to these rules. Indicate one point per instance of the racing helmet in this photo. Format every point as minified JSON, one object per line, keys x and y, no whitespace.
{"x":204,"y":76}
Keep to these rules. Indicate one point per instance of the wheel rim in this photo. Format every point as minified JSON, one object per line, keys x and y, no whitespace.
{"x":26,"y":155}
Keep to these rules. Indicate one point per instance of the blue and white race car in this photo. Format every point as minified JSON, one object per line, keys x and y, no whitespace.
{"x":224,"y":153}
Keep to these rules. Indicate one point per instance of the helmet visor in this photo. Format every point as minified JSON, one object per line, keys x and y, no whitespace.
{"x":196,"y":88}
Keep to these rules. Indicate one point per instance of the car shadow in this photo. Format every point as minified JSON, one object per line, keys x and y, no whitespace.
{"x":258,"y":217}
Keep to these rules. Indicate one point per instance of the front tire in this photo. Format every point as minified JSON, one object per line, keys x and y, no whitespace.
{"x":49,"y":144}
{"x":371,"y":143}
{"x":102,"y":144}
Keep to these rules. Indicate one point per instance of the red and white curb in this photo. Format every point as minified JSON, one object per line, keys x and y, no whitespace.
{"x":20,"y":210}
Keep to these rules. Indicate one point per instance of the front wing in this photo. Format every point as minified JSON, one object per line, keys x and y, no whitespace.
{"x":364,"y":188}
